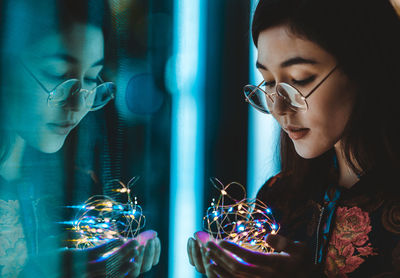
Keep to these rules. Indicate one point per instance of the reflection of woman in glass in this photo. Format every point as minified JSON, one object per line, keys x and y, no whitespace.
{"x":331,"y":71}
{"x":50,"y":80}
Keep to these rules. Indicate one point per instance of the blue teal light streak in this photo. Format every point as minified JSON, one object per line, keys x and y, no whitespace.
{"x":263,"y":135}
{"x":185,"y":79}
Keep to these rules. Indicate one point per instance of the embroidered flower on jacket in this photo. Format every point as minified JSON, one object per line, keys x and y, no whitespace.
{"x":13,"y":251}
{"x":349,"y":245}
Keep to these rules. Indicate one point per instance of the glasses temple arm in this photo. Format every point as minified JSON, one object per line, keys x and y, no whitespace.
{"x":34,"y":77}
{"x":322,"y":81}
{"x":252,"y":92}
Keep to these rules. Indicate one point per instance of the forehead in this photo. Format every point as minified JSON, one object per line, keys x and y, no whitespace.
{"x":278,"y":43}
{"x":83,"y":42}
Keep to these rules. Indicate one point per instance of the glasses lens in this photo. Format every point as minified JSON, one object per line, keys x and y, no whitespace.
{"x":102,"y":94}
{"x":61,"y":93}
{"x":292,"y":96}
{"x":258,"y":98}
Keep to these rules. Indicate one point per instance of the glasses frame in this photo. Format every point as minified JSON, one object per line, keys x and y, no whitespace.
{"x":51,"y":93}
{"x":270,"y":95}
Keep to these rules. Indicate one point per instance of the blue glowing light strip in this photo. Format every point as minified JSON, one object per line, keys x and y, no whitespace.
{"x":187,"y":143}
{"x":262,"y":135}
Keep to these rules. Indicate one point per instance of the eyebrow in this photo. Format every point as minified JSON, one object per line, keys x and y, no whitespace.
{"x":72,"y":60}
{"x":290,"y":62}
{"x":66,"y":57}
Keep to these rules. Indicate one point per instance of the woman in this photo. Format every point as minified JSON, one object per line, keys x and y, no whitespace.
{"x":330,"y":71}
{"x":53,"y":55}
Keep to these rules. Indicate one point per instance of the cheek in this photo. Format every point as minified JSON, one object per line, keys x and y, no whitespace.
{"x":26,"y":105}
{"x":327,"y":119}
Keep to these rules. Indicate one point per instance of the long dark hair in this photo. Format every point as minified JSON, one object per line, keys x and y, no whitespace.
{"x":364,"y":37}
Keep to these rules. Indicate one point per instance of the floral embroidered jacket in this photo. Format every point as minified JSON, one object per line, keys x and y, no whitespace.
{"x":350,"y":232}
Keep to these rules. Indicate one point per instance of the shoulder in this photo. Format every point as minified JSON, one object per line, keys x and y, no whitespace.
{"x":273,"y":186}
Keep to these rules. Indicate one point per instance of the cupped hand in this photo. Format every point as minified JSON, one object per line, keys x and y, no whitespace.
{"x":226,"y":259}
{"x":197,"y":253}
{"x":121,"y":258}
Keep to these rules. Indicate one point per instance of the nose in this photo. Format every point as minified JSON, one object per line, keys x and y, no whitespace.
{"x":281,"y":106}
{"x":76,"y":102}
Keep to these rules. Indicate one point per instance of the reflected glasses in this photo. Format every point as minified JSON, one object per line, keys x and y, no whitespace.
{"x":263,"y":100}
{"x":94,"y":99}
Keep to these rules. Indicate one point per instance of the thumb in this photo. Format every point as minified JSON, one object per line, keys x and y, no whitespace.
{"x":145,"y":236}
{"x":283,"y":244}
{"x":202,"y":237}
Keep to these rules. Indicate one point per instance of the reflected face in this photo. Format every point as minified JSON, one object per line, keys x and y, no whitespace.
{"x":53,"y":59}
{"x":285,"y":57}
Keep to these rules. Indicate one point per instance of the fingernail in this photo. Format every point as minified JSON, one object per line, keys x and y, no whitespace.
{"x":210,"y":245}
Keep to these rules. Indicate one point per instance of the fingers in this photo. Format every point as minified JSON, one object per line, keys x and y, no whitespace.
{"x":202,"y":237}
{"x":118,"y":251}
{"x":208,"y":264}
{"x":146,"y":236}
{"x":227,"y":261}
{"x":239,"y":251}
{"x":148,"y":256}
{"x":280,"y":243}
{"x":189,"y":251}
{"x":271,"y":260}
{"x":137,"y":262}
{"x":219,"y":271}
{"x":196,"y":256}
{"x":157,"y":251}
{"x":115,"y":262}
{"x":128,"y":268}
{"x":232,"y":264}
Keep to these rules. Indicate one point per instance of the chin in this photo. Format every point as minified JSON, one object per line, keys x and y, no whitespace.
{"x":51,"y":146}
{"x":307,"y":152}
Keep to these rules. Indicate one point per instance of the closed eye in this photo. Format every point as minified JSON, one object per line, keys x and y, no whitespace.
{"x":303,"y":82}
{"x":91,"y":82}
{"x":268,"y":84}
{"x":56,"y":77}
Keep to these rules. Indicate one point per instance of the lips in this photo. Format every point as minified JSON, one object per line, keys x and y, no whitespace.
{"x":296,"y":133}
{"x":61,"y":128}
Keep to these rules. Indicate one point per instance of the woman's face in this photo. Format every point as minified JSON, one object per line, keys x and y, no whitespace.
{"x":285,"y":57}
{"x":52,"y":59}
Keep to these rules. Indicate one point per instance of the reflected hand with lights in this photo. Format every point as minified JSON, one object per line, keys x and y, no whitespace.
{"x":126,"y":258}
{"x":106,"y":233}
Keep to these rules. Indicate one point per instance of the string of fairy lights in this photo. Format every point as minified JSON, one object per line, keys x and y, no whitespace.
{"x":243,"y":221}
{"x":101,"y":219}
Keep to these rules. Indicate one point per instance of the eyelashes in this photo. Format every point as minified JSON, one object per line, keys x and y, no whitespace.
{"x":302,"y":82}
{"x":63,"y":77}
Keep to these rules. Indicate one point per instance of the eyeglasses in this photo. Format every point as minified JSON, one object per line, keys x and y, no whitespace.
{"x":94,"y":99}
{"x":263,"y":100}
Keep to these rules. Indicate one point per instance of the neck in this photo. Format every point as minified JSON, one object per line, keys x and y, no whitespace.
{"x":11,"y":168}
{"x":347,"y":177}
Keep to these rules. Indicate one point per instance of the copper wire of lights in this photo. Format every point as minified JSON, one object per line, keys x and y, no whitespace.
{"x":244,"y":221}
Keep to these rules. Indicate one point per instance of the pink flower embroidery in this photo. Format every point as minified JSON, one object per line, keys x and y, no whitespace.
{"x":13,"y":250}
{"x":349,"y":243}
